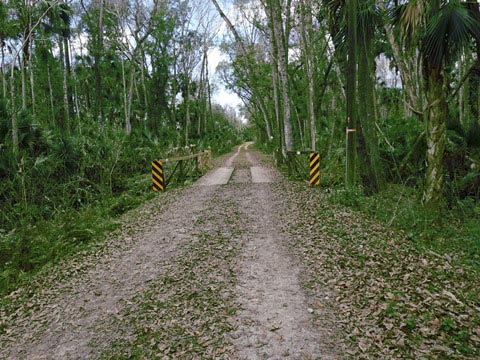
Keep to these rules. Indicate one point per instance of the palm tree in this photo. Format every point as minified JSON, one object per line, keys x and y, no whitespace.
{"x":362,"y":20}
{"x":368,"y":24}
{"x":441,"y":29}
{"x":351,"y":91}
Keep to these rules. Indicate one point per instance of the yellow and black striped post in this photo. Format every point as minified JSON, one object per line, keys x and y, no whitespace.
{"x":314,"y":169}
{"x":158,"y":178}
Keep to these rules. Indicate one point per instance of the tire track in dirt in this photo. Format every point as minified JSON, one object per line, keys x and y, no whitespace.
{"x":274,"y":321}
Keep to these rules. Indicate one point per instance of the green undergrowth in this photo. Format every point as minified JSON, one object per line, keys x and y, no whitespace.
{"x":31,"y":246}
{"x":394,"y":296}
{"x":455,"y":234}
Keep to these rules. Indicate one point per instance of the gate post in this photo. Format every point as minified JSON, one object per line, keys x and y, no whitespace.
{"x":158,"y":177}
{"x":314,"y":169}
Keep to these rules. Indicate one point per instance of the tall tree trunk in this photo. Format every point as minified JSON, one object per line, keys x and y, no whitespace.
{"x":75,"y":101}
{"x":187,"y":110}
{"x":436,"y":138}
{"x":128,"y":116}
{"x":25,"y":54}
{"x":23,"y":70}
{"x":128,"y":126}
{"x":276,"y":101}
{"x":173,"y":105}
{"x":66,"y":115}
{"x":307,"y":49}
{"x":68,"y":74}
{"x":209,"y":97}
{"x":202,"y":95}
{"x":474,"y":97}
{"x":372,"y":176}
{"x":282,"y":70}
{"x":15,"y":144}
{"x":461,"y":93}
{"x":351,"y":93}
{"x":32,"y":82}
{"x":4,"y":76}
{"x":96,"y":66}
{"x":275,"y":86}
{"x":144,"y":89}
{"x":50,"y":92}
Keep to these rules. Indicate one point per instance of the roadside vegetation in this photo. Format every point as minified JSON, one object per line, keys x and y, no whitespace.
{"x":395,"y":296}
{"x":84,"y":111}
{"x":71,"y":191}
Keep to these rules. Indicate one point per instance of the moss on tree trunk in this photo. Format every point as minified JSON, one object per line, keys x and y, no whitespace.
{"x":436,"y":137}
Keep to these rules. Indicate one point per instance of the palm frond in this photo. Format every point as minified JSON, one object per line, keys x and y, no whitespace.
{"x":369,"y":18}
{"x":447,"y":33}
{"x":410,"y":18}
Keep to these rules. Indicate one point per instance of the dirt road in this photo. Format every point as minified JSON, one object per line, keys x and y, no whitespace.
{"x":210,"y":275}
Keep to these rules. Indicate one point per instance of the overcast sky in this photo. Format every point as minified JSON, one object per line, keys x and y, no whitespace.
{"x":222,"y":95}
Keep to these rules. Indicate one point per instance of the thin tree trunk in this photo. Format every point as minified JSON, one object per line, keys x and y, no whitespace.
{"x":201,"y":95}
{"x":277,"y":101}
{"x":128,"y":123}
{"x":67,"y":75}
{"x":261,"y":105}
{"x":15,"y":145}
{"x":50,"y":91}
{"x":144,"y":89}
{"x":32,"y":82}
{"x":23,"y":71}
{"x":66,"y":115}
{"x":4,"y":76}
{"x":461,"y":93}
{"x":174,"y":91}
{"x":97,"y":62}
{"x":125,"y":112}
{"x":75,"y":92}
{"x":187,"y":110}
{"x":209,"y":97}
{"x":474,"y":96}
{"x":275,"y":86}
